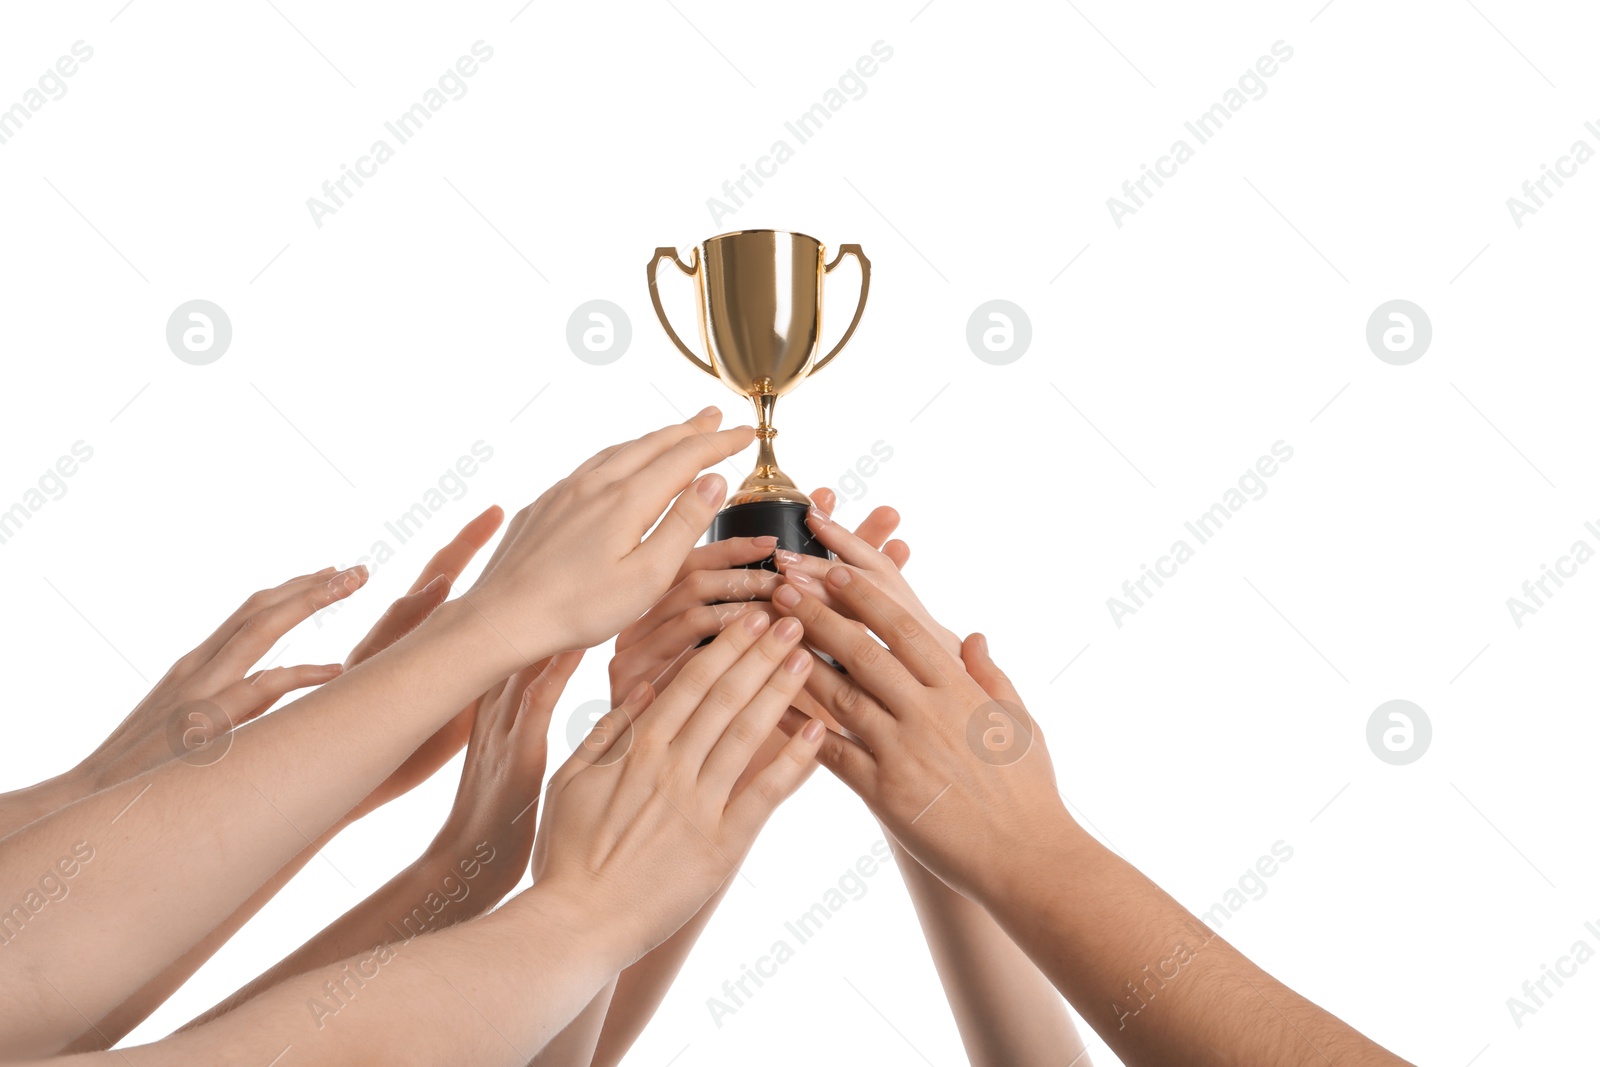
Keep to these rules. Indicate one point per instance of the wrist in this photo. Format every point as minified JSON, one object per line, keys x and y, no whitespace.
{"x":83,"y":780}
{"x":488,"y":649}
{"x":1031,"y":862}
{"x":576,"y":917}
{"x":489,"y":867}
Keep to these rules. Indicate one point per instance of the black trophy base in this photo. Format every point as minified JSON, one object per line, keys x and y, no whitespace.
{"x":783,"y":519}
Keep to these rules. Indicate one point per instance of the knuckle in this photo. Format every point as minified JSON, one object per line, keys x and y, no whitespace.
{"x":909,"y":628}
{"x":670,"y":778}
{"x":720,"y":700}
{"x":697,"y":674}
{"x":705,"y":619}
{"x":832,"y":752}
{"x":808,"y":611}
{"x":867,"y":653}
{"x":257,"y":624}
{"x":743,"y":733}
{"x":767,"y":791}
{"x":647,"y":739}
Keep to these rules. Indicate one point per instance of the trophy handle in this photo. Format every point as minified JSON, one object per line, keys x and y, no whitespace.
{"x":861,"y":304}
{"x":671,"y":253}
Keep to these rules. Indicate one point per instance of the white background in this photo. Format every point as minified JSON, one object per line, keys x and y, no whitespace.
{"x":1227,"y":314}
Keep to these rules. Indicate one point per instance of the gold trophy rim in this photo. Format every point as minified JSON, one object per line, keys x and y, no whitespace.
{"x":767,"y":482}
{"x":742,"y":233}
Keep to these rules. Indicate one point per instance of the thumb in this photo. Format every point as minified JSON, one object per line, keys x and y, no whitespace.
{"x":683,"y":523}
{"x":975,"y":655}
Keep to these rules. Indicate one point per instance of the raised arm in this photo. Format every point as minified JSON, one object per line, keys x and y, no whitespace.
{"x":475,"y":859}
{"x":1005,"y":1008}
{"x":715,"y":586}
{"x":1157,"y":984}
{"x":633,"y":841}
{"x":404,"y":615}
{"x":209,"y":687}
{"x":571,"y":570}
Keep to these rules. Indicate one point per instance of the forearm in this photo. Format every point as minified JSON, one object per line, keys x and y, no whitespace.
{"x":1008,"y":1013}
{"x":137,"y":1008}
{"x":642,"y":987}
{"x":487,"y":992}
{"x":1156,"y":983}
{"x":575,"y":1044}
{"x":428,"y":895}
{"x":20,"y":807}
{"x":605,"y":1030}
{"x":161,"y":837}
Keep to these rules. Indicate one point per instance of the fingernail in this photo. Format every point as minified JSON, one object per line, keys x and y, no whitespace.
{"x":787,"y":630}
{"x":764,"y":542}
{"x":710,"y":488}
{"x":439,"y":580}
{"x":797,"y":660}
{"x":798,"y":579}
{"x":786,"y":597}
{"x":636,"y":694}
{"x":755,"y":621}
{"x":982,"y":642}
{"x":784,"y":556}
{"x":712,"y":410}
{"x":820,"y":517}
{"x":839,"y":577}
{"x":332,"y":668}
{"x":812,"y":731}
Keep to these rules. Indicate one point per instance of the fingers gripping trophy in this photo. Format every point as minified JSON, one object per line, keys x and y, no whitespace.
{"x":759,"y":297}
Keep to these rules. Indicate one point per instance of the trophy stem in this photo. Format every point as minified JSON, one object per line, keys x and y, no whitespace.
{"x":766,"y":460}
{"x":767,"y":481}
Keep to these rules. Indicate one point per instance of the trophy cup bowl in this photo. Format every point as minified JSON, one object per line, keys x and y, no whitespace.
{"x":759,"y":297}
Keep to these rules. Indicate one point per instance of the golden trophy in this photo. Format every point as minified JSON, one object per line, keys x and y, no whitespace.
{"x":760,"y":307}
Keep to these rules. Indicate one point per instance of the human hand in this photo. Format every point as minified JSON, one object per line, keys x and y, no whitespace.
{"x":646,"y":833}
{"x":863,"y":555}
{"x":876,"y":529}
{"x":207,"y":692}
{"x":716,"y":585}
{"x":496,"y":805}
{"x":430,"y":590}
{"x":947,"y":757}
{"x":575,"y":566}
